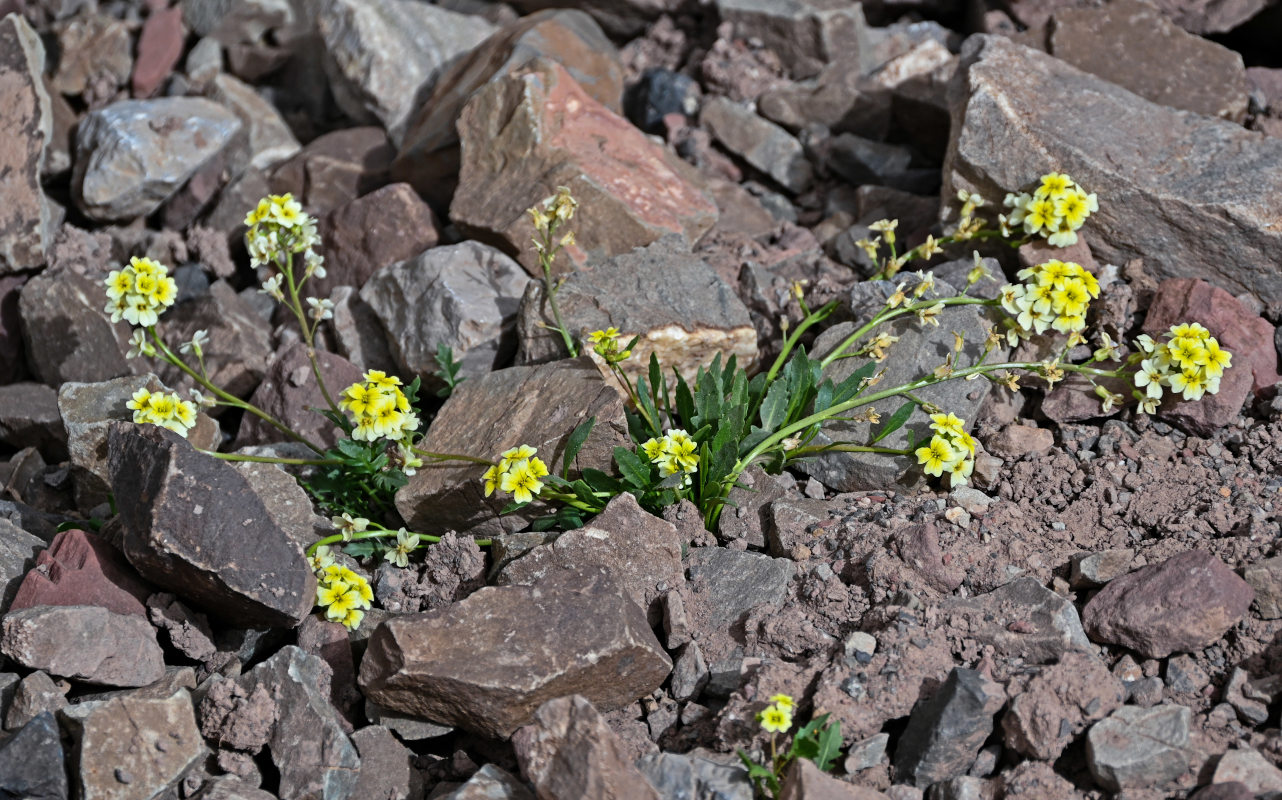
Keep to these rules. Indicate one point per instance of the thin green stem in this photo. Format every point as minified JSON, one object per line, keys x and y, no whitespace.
{"x":550,"y":290}
{"x":271,"y":459}
{"x":296,"y":306}
{"x":452,"y":457}
{"x":378,"y":533}
{"x":885,"y":315}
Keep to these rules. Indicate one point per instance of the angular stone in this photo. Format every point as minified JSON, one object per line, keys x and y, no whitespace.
{"x":26,"y":125}
{"x":66,"y":333}
{"x":761,"y":143}
{"x":463,"y":295}
{"x":1223,"y":791}
{"x":570,"y":634}
{"x":725,"y":584}
{"x":1022,"y":619}
{"x":229,"y":787}
{"x":386,"y":766}
{"x":865,"y":161}
{"x":1248,"y":767}
{"x":918,"y":547}
{"x":34,"y":695}
{"x":1057,"y":705}
{"x":641,"y":551}
{"x":239,"y":346}
{"x":429,"y":157}
{"x":452,"y":569}
{"x":385,"y":226}
{"x":187,"y":520}
{"x":486,"y":415}
{"x":1139,"y":747}
{"x":569,"y":751}
{"x":160,"y":45}
{"x":18,"y":552}
{"x":84,"y":643}
{"x":682,"y":311}
{"x":31,"y":762}
{"x":359,"y":336}
{"x":1180,"y":605}
{"x":1201,"y":16}
{"x":945,"y":732}
{"x":1017,"y":440}
{"x":806,"y":35}
{"x":80,"y":569}
{"x":187,"y":631}
{"x":382,"y":56}
{"x":331,"y":171}
{"x":1136,"y":46}
{"x":1097,"y":569}
{"x":1151,"y":206}
{"x":29,"y":418}
{"x":676,"y":775}
{"x":289,"y":393}
{"x":536,"y":129}
{"x":1266,"y":579}
{"x":134,"y":155}
{"x":132,"y":746}
{"x":270,"y":139}
{"x":490,"y":783}
{"x":94,"y":55}
{"x":748,"y":505}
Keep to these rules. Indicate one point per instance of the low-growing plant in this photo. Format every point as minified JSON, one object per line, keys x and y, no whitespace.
{"x":819,"y":740}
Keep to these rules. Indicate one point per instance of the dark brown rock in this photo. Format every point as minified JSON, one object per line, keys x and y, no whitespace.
{"x":84,"y":643}
{"x":26,"y":126}
{"x":570,"y":634}
{"x":187,"y":631}
{"x":29,"y":418}
{"x":452,"y":569}
{"x":11,"y":360}
{"x":80,"y":569}
{"x":385,"y":226}
{"x":66,"y":333}
{"x":332,"y":170}
{"x":945,"y":732}
{"x":1180,"y":605}
{"x":188,"y":520}
{"x":387,"y":769}
{"x":289,"y":393}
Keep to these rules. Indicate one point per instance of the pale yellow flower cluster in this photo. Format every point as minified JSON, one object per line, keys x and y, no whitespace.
{"x":1053,"y":295}
{"x":518,"y":473}
{"x":777,"y":717}
{"x":1190,"y":362}
{"x":140,"y":292}
{"x":379,"y":408}
{"x":675,"y":453}
{"x":951,"y":449}
{"x":606,"y":344}
{"x":164,"y":409}
{"x":343,"y":594}
{"x":1055,"y":210}
{"x":278,"y":226}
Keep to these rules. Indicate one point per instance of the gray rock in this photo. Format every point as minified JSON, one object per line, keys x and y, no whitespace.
{"x":761,"y":143}
{"x":866,"y":753}
{"x":805,"y":35}
{"x":689,"y":673}
{"x":486,"y":415}
{"x":1097,"y":569}
{"x":728,"y":583}
{"x":1151,"y":206}
{"x":406,"y":727}
{"x":132,"y":746}
{"x":1248,"y":767}
{"x":1048,"y":624}
{"x":134,"y":155}
{"x":358,"y":335}
{"x":31,"y":762}
{"x":289,"y":392}
{"x":18,"y":551}
{"x":1198,"y":16}
{"x":1266,"y":579}
{"x":861,"y":160}
{"x":270,"y":139}
{"x":748,"y":505}
{"x":945,"y":732}
{"x":463,"y":295}
{"x":229,"y":787}
{"x":95,"y":56}
{"x":186,"y":519}
{"x":34,"y":695}
{"x":29,"y":418}
{"x":382,"y":56}
{"x":66,"y":333}
{"x":682,"y":311}
{"x":84,"y":643}
{"x":26,"y":125}
{"x":570,"y":634}
{"x":1058,"y":703}
{"x":569,"y":752}
{"x":386,"y":766}
{"x":489,"y":783}
{"x":1139,"y":747}
{"x":187,"y":631}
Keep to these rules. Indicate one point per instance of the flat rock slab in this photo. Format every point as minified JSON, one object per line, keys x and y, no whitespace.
{"x":31,"y":762}
{"x":1183,"y":604}
{"x":1022,"y":619}
{"x":758,"y":141}
{"x":196,"y":527}
{"x":725,"y":584}
{"x":489,"y":661}
{"x":679,"y":307}
{"x":26,"y":125}
{"x":134,"y":155}
{"x":81,"y":569}
{"x":1133,"y":154}
{"x":84,"y":643}
{"x":536,"y":129}
{"x":805,"y":35}
{"x":66,"y":334}
{"x":538,"y":406}
{"x":1139,"y":747}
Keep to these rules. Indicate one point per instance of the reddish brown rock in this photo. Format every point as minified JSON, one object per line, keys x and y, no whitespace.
{"x":385,"y":226}
{"x":918,"y":547}
{"x":1058,"y":704}
{"x":26,"y":125}
{"x":1210,"y":16}
{"x":805,"y":781}
{"x":569,"y":752}
{"x":334,"y":169}
{"x":1183,"y":604}
{"x":524,"y":135}
{"x":289,"y":393}
{"x":84,"y":643}
{"x":1015,"y":441}
{"x":160,"y":45}
{"x":80,"y":569}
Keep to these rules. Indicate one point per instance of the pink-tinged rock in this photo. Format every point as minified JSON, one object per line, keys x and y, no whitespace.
{"x":84,"y":643}
{"x":1183,"y":604}
{"x":26,"y":125}
{"x":289,"y":393}
{"x":160,"y":45}
{"x":1210,"y":16}
{"x":80,"y":569}
{"x":524,"y":135}
{"x":805,"y":781}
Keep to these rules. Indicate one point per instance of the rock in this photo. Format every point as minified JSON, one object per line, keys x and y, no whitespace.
{"x":452,"y":569}
{"x":66,"y":333}
{"x":1266,"y":579}
{"x":239,"y":346}
{"x":94,"y":55}
{"x":675,"y":775}
{"x":236,"y":717}
{"x":866,"y":753}
{"x":918,"y":547}
{"x":1017,"y":440}
{"x":1048,"y":623}
{"x":761,"y":143}
{"x":289,"y":393}
{"x":88,"y":409}
{"x":406,"y":727}
{"x":331,"y":171}
{"x":385,"y":226}
{"x":11,"y":360}
{"x":641,"y":551}
{"x":489,"y":783}
{"x":29,"y":418}
{"x":1137,"y":47}
{"x":486,"y":415}
{"x":81,"y":569}
{"x":805,"y":781}
{"x":682,"y":311}
{"x":160,"y":45}
{"x":1248,"y":767}
{"x":749,"y":504}
{"x":429,"y":157}
{"x":1180,"y":605}
{"x":1057,"y":705}
{"x":463,"y":295}
{"x":229,"y":787}
{"x":570,"y":634}
{"x":34,"y":695}
{"x":569,"y":751}
{"x":270,"y":139}
{"x":386,"y":766}
{"x":805,"y":35}
{"x":18,"y":551}
{"x":839,"y":97}
{"x":724,"y":585}
{"x":658,"y":93}
{"x":1224,"y":791}
{"x":945,"y":732}
{"x":690,"y":673}
{"x":188,"y":631}
{"x":861,"y":160}
{"x":84,"y":643}
{"x":382,"y":56}
{"x":526,"y":134}
{"x":1198,"y":16}
{"x":31,"y":762}
{"x":186,"y":517}
{"x":134,"y":155}
{"x":26,"y":126}
{"x":920,"y":349}
{"x":1173,"y":225}
{"x":132,"y":746}
{"x":1139,"y":747}
{"x":1097,"y":569}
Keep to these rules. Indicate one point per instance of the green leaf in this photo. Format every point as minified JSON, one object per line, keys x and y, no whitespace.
{"x":895,"y":422}
{"x":601,"y":482}
{"x":685,"y":402}
{"x":850,"y":387}
{"x":575,"y":443}
{"x":829,"y":745}
{"x":774,"y":408}
{"x":823,"y":397}
{"x":647,"y":403}
{"x":635,"y":469}
{"x":362,"y":548}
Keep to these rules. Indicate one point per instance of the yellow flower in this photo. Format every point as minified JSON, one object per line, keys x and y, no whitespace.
{"x":1071,"y":299}
{"x":930,"y":316}
{"x":1149,"y":378}
{"x":519,"y":453}
{"x":1188,"y":353}
{"x":935,"y":456}
{"x":1217,"y":359}
{"x":1190,"y":330}
{"x":1191,"y":382}
{"x":405,"y":544}
{"x":1071,"y":206}
{"x":491,"y":478}
{"x":1041,"y":216}
{"x":521,"y":481}
{"x":146,"y":266}
{"x":783,"y":701}
{"x":776,"y":720}
{"x":119,"y":283}
{"x":959,"y":472}
{"x":948,"y":423}
{"x":352,"y":619}
{"x":1054,"y":185}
